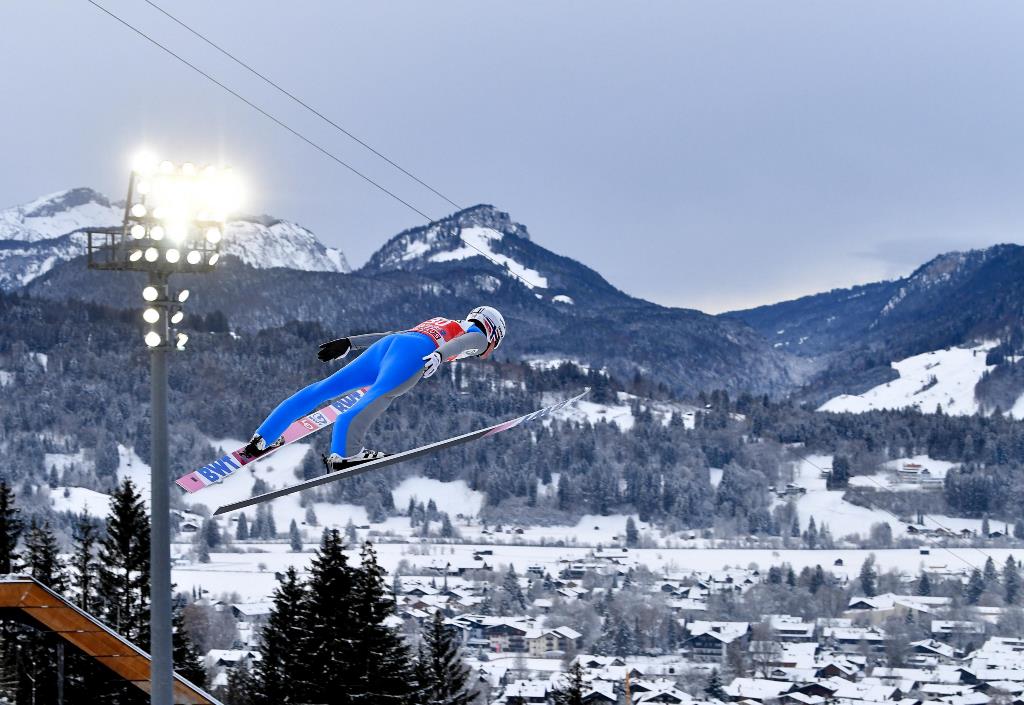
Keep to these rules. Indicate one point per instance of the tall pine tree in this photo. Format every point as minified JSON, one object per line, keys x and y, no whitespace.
{"x":444,"y":678}
{"x":382,"y":665}
{"x":188,"y":661}
{"x":84,"y":569}
{"x":42,"y":559}
{"x":282,"y":674}
{"x":331,"y":628}
{"x":124,"y":566}
{"x":1011,"y":581}
{"x":10,"y":530}
{"x":571,"y":692}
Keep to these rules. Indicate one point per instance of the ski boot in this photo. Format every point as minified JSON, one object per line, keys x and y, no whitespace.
{"x":335,"y":462}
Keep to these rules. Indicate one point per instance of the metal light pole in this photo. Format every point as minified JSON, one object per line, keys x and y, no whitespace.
{"x":160,"y":640}
{"x":173,"y":223}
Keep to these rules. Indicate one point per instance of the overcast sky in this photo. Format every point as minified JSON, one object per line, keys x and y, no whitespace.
{"x":712,"y":155}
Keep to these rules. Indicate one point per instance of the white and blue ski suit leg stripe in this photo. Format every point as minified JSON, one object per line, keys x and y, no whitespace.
{"x":389,"y":368}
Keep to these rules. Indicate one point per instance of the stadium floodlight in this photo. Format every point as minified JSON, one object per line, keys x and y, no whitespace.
{"x":173,"y":223}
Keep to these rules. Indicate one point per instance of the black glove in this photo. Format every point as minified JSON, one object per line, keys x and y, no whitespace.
{"x":334,"y":349}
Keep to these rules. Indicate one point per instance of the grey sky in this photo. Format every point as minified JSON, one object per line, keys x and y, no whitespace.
{"x":711,"y":154}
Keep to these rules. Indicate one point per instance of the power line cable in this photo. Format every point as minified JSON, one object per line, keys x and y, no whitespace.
{"x":298,"y":100}
{"x":311,"y":143}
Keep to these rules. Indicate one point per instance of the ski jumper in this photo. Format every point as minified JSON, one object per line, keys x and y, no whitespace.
{"x":390,"y":367}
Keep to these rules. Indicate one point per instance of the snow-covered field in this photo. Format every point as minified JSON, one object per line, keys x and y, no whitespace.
{"x":252,"y":574}
{"x":622,"y":413}
{"x":843,"y":518}
{"x":453,"y":497}
{"x":889,"y":480}
{"x":940,"y":377}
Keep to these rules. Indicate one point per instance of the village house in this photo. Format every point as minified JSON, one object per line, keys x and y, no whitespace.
{"x":708,"y":640}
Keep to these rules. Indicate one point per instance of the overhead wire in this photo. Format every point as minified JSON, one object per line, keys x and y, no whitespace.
{"x":323,"y":150}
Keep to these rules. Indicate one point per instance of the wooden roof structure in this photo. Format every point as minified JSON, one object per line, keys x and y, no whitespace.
{"x":54,"y":613}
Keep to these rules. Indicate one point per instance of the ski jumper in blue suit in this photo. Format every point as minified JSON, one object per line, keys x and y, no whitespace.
{"x":392,"y":365}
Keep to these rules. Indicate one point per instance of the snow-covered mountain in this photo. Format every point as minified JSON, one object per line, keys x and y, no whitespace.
{"x":36,"y":236}
{"x":483,"y":239}
{"x":59,"y":214}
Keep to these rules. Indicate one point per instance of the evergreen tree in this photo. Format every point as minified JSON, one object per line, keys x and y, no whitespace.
{"x":204,"y":552}
{"x":868,"y":577}
{"x":617,"y":639}
{"x":331,"y":628}
{"x":269,"y":526}
{"x":294,"y":537}
{"x":209,"y":533}
{"x":817,"y":579}
{"x":188,"y":661}
{"x":632,"y":535}
{"x":124,"y":566}
{"x":447,"y":530}
{"x":311,"y":519}
{"x":924,"y":584}
{"x":283,"y":672}
{"x":975,"y":587}
{"x":513,"y":592}
{"x":991,"y":575}
{"x":839,"y":478}
{"x":382,"y":666}
{"x":790,"y":577}
{"x":10,"y":530}
{"x":241,"y":688}
{"x":42,"y":559}
{"x":811,"y":535}
{"x":1011,"y":581}
{"x":714,"y":689}
{"x":443,"y":676}
{"x":986,"y":529}
{"x":350,"y":531}
{"x":242,"y":529}
{"x":84,"y":569}
{"x":571,"y":692}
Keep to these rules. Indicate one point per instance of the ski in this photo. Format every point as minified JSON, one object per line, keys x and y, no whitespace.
{"x":228,"y":464}
{"x":400,"y":457}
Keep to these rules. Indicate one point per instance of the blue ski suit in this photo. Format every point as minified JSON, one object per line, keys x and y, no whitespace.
{"x":390,"y":367}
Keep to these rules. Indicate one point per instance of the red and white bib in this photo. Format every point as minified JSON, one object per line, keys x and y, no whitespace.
{"x":440,"y":330}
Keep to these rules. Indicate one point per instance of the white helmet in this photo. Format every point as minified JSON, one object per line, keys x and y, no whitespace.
{"x":493,"y":325}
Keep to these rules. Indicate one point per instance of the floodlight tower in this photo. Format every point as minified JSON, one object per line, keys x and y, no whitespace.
{"x":173,"y":223}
